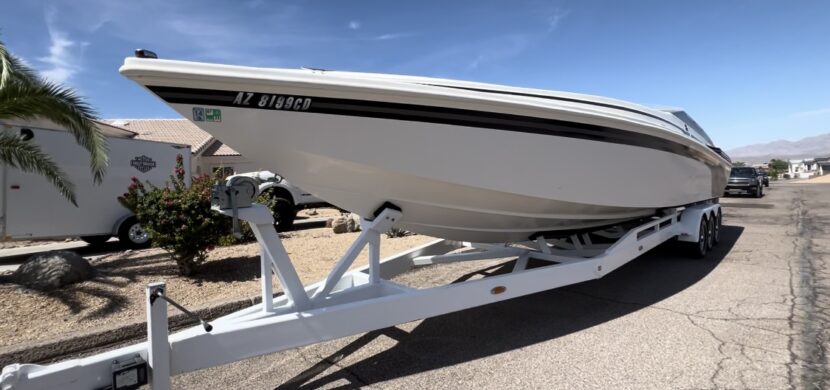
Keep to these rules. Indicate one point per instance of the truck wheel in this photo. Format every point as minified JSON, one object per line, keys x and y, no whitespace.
{"x":95,"y":240}
{"x":283,"y":212}
{"x":758,"y":191}
{"x":716,"y":230}
{"x":132,"y":235}
{"x":699,"y":248}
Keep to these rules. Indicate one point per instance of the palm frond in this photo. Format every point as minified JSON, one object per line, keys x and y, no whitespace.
{"x":28,"y":157}
{"x":30,"y":100}
{"x":12,"y":68}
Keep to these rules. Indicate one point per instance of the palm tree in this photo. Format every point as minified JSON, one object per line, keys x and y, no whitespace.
{"x":24,"y":95}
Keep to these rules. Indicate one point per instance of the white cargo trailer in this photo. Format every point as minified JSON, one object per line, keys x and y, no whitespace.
{"x":31,"y":208}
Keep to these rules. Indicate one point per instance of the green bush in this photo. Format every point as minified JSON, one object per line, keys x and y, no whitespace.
{"x":231,"y":240}
{"x":177,"y":217}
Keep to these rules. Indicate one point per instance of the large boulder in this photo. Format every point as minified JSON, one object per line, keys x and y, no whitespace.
{"x":338,"y":225}
{"x":52,"y":270}
{"x":347,"y":223}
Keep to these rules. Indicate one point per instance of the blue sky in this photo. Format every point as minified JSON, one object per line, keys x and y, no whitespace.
{"x":748,"y":71}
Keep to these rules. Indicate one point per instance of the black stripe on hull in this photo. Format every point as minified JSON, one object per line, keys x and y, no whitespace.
{"x":453,"y":116}
{"x":564,"y":99}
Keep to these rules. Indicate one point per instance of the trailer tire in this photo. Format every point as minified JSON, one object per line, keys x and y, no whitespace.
{"x":284,"y":214}
{"x":718,"y":223}
{"x":132,"y":235}
{"x":710,"y":228}
{"x":699,"y":249}
{"x":95,"y":240}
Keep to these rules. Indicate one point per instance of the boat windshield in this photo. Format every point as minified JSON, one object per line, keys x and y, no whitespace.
{"x":742,"y":172}
{"x":694,"y":128}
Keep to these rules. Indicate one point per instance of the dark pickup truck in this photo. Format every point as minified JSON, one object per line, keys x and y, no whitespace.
{"x":745,"y":180}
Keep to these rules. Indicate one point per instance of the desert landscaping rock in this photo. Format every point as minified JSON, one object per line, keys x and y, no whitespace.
{"x":338,"y":225}
{"x":349,"y":223}
{"x":53,"y":270}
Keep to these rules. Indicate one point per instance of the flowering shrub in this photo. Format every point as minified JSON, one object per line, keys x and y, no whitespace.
{"x":177,"y":217}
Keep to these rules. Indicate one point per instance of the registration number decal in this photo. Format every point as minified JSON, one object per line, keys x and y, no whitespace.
{"x":271,"y":101}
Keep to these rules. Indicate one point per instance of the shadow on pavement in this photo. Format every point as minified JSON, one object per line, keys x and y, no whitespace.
{"x":500,"y":327}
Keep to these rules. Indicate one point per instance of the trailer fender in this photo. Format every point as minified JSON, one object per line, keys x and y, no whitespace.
{"x":117,"y":227}
{"x":690,"y":220}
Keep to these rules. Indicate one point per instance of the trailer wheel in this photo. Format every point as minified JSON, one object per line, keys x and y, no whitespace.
{"x":284,"y":214}
{"x":710,"y":229}
{"x":699,"y":248}
{"x":132,"y":235}
{"x":279,"y":201}
{"x":95,"y":240}
{"x":717,"y":225}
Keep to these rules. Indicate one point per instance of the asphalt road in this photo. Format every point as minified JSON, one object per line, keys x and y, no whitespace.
{"x":754,"y":314}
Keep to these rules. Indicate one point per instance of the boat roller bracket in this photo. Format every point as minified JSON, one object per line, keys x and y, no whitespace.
{"x":348,"y":302}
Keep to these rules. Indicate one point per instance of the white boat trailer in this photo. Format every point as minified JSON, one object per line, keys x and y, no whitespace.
{"x":361,"y":300}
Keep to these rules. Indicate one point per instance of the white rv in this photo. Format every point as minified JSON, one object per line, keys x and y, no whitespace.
{"x":31,"y":208}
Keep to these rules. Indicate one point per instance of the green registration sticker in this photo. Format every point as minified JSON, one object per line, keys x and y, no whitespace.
{"x":213,"y":115}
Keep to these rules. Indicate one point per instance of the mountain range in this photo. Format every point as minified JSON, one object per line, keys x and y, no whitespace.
{"x":816,"y":146}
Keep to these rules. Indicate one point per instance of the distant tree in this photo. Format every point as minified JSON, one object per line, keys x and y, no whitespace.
{"x":738,"y":164}
{"x":780,"y":165}
{"x":24,"y":95}
{"x":777,"y":167}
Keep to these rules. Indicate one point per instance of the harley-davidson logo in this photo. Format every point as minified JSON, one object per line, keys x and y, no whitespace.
{"x":143,"y":163}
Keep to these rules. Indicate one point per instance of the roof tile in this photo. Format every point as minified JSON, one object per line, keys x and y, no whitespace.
{"x":179,"y":131}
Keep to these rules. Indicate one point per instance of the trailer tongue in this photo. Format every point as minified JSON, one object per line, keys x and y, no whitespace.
{"x":361,"y":300}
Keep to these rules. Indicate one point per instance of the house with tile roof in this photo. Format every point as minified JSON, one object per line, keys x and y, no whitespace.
{"x":208,"y":153}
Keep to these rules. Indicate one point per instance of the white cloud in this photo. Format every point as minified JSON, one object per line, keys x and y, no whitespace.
{"x":476,"y":62}
{"x":186,"y":29}
{"x":811,"y":113}
{"x":556,"y":17}
{"x":354,"y":25}
{"x":386,"y":37}
{"x":63,"y":61}
{"x":473,"y":55}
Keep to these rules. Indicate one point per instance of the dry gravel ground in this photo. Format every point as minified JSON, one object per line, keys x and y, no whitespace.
{"x":117,"y":296}
{"x":27,"y":243}
{"x":820,"y":179}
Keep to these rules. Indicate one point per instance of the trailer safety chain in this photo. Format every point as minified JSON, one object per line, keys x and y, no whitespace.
{"x":159,"y":293}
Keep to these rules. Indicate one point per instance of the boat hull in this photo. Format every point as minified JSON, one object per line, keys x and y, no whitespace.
{"x":452,"y":177}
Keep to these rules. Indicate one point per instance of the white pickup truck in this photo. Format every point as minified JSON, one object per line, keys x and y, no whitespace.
{"x":284,"y":199}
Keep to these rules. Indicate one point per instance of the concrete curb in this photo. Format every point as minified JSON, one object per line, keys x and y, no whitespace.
{"x":75,"y":344}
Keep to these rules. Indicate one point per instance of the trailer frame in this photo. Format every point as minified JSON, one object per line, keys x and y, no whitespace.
{"x":361,"y":300}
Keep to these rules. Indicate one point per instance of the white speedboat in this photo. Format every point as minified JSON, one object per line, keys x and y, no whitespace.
{"x":465,"y":161}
